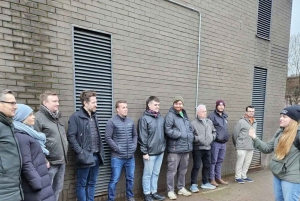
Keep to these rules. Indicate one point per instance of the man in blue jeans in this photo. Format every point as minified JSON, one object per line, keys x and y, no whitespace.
{"x":121,"y":136}
{"x":218,"y":147}
{"x":85,"y":139}
{"x":152,"y":143}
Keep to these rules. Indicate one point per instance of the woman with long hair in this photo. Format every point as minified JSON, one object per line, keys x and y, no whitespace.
{"x":36,"y":182}
{"x":285,"y":164}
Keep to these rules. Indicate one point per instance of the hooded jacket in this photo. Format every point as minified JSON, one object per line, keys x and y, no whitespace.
{"x":151,"y":134}
{"x":221,"y":126}
{"x":179,"y":132}
{"x":36,"y":182}
{"x":80,"y":139}
{"x":241,"y":138}
{"x":55,"y":132}
{"x":205,"y":134}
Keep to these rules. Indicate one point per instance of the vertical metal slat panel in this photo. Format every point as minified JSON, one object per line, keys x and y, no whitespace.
{"x":258,"y":101}
{"x":93,"y":71}
{"x":264,"y":18}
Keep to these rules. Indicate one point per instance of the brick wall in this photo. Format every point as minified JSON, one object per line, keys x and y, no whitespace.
{"x":154,"y":53}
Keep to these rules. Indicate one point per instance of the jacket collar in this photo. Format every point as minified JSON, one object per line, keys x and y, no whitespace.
{"x":84,"y":114}
{"x":223,"y":115}
{"x":172,"y":109}
{"x":5,"y":120}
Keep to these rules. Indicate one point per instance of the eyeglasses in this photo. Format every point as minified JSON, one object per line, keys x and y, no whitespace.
{"x":12,"y":103}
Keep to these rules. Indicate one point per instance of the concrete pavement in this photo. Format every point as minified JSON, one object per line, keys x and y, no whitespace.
{"x":261,"y":189}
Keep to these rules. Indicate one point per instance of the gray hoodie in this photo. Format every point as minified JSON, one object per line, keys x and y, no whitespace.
{"x":240,"y":137}
{"x":204,"y":134}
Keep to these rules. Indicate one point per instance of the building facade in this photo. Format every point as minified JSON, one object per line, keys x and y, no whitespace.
{"x":235,"y":50}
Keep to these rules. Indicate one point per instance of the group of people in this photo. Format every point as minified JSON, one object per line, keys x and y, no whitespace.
{"x":33,"y":148}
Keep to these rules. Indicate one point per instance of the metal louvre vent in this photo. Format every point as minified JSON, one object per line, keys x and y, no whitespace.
{"x":258,"y":101}
{"x":93,"y":71}
{"x":264,"y":18}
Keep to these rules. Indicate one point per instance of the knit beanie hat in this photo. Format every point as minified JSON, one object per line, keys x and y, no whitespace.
{"x":178,"y":98}
{"x":220,"y":102}
{"x":22,"y":112}
{"x":292,"y":111}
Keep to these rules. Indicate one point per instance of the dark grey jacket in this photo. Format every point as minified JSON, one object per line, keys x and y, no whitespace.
{"x":10,"y":162}
{"x":36,"y":182}
{"x":221,"y":126}
{"x":151,"y":134}
{"x":80,"y":139}
{"x":55,"y":132}
{"x":205,"y":134}
{"x":121,"y":136}
{"x":241,"y":138}
{"x":179,"y":132}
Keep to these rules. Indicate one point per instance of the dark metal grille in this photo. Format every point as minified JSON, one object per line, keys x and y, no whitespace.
{"x":264,"y":18}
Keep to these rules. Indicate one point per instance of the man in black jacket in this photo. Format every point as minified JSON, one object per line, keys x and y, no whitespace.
{"x":152,"y":143}
{"x":10,"y":163}
{"x":85,"y":139}
{"x":218,"y":147}
{"x":121,"y":136}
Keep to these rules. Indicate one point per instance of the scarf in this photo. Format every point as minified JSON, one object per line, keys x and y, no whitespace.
{"x":251,"y":119}
{"x":6,"y":120}
{"x":155,"y":114}
{"x":40,"y":137}
{"x":54,"y":115}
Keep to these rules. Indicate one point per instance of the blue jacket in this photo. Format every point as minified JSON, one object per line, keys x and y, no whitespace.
{"x":179,"y":132}
{"x":221,"y":126}
{"x":79,"y":137}
{"x":36,"y":182}
{"x":121,"y":136}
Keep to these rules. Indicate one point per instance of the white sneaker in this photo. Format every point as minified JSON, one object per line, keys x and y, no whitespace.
{"x":172,"y":195}
{"x":208,"y":186}
{"x":184,"y":192}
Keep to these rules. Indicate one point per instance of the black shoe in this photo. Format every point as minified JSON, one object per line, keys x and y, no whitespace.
{"x":155,"y":196}
{"x":148,"y":197}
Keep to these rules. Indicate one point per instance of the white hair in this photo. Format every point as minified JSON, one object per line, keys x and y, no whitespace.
{"x":200,"y":106}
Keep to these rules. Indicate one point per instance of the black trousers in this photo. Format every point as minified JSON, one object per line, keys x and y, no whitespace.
{"x":205,"y":157}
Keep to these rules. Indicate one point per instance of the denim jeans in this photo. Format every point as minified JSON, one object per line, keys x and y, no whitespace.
{"x":117,"y":164}
{"x":218,"y":151}
{"x":57,"y":174}
{"x":151,"y":172}
{"x":285,"y":191}
{"x":86,"y":179}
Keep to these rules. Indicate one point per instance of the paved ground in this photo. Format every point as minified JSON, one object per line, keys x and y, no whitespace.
{"x":259,"y":190}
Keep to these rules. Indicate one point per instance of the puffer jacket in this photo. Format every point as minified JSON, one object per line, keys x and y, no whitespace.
{"x":179,"y":132}
{"x":55,"y":132}
{"x":287,"y":169}
{"x":80,"y":139}
{"x":205,"y":134}
{"x":241,"y":138}
{"x":151,"y":134}
{"x":221,"y":126}
{"x":10,"y":162}
{"x":121,"y":136}
{"x":36,"y":182}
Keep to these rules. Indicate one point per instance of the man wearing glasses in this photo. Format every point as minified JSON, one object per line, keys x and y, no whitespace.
{"x":244,"y":145}
{"x":10,"y":163}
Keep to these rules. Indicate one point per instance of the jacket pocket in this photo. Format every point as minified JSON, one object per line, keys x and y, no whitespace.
{"x":278,"y":166}
{"x":53,"y":149}
{"x":85,"y":157}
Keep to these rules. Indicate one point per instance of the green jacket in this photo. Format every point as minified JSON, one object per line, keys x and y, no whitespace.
{"x":55,"y":132}
{"x":241,"y":138}
{"x":10,"y":162}
{"x":287,"y":169}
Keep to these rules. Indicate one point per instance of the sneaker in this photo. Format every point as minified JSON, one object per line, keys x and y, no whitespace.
{"x":240,"y":181}
{"x":194,"y":188}
{"x":172,"y":195}
{"x":184,"y":192}
{"x":213,"y":182}
{"x":208,"y":186}
{"x":248,"y":179}
{"x":148,"y":198}
{"x":155,"y":196}
{"x":221,"y":181}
